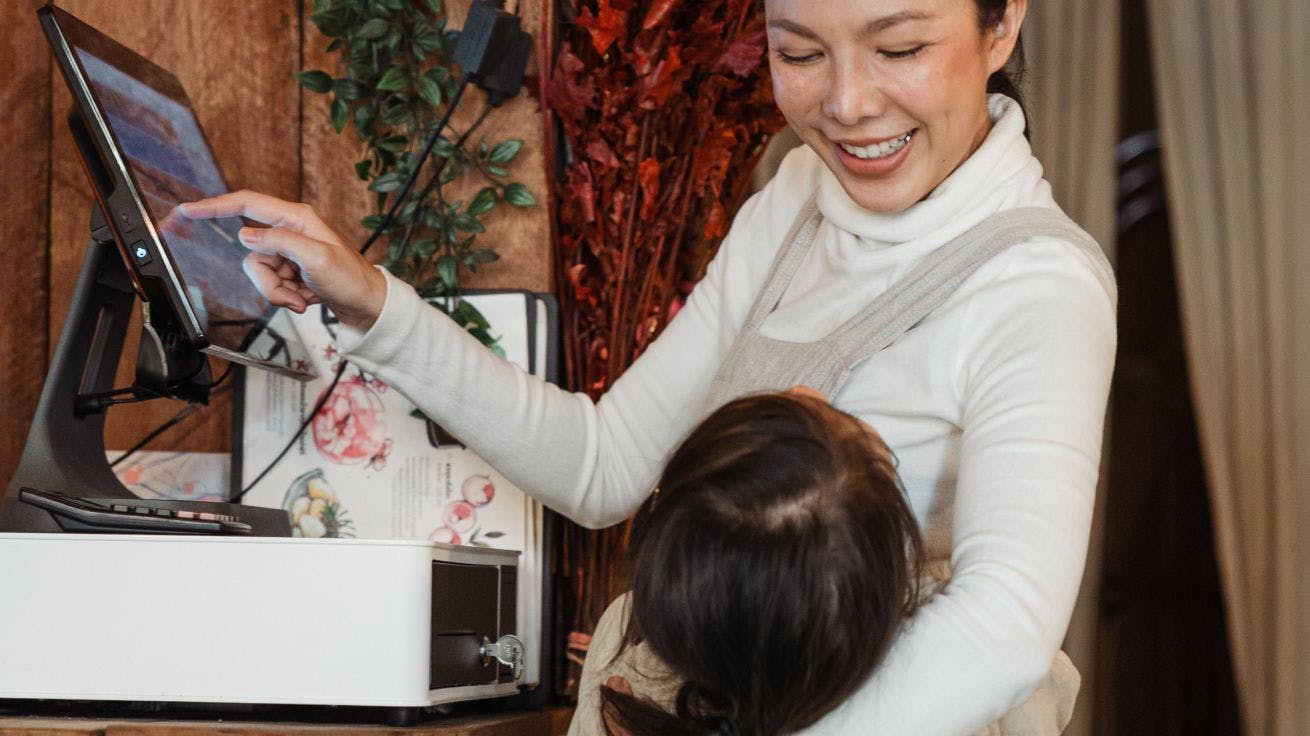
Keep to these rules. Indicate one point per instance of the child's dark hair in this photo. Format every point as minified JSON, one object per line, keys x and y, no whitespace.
{"x":770,"y":571}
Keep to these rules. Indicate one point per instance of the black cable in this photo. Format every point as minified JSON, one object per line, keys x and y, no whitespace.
{"x":219,"y":382}
{"x":418,"y":167}
{"x":395,"y":206}
{"x":187,"y":411}
{"x":309,"y":418}
{"x":377,"y":232}
{"x":435,"y":181}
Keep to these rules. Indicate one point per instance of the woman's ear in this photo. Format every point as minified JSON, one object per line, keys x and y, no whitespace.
{"x":1005,"y":35}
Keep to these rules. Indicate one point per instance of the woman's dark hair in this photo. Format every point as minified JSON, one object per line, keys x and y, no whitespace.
{"x":1008,"y":78}
{"x":770,"y":571}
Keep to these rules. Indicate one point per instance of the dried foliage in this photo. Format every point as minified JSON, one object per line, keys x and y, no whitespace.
{"x":665,"y":107}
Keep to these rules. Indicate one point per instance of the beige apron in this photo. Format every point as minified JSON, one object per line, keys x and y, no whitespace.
{"x":757,"y":363}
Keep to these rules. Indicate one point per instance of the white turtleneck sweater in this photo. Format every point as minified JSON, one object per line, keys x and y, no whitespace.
{"x":993,"y":405}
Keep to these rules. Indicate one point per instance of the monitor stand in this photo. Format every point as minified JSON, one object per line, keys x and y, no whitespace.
{"x":65,"y":448}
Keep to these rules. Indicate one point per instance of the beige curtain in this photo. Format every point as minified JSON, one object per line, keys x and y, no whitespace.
{"x":1072,"y":93}
{"x":1234,"y":97}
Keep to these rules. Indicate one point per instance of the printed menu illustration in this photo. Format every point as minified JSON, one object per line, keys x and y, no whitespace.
{"x":368,"y":465}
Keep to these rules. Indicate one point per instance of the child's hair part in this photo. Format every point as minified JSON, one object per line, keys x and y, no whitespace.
{"x":770,"y":570}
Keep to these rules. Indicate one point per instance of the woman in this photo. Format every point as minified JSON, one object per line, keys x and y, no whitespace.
{"x":974,"y":326}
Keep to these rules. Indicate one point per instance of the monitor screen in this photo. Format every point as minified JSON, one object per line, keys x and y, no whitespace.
{"x":143,"y":114}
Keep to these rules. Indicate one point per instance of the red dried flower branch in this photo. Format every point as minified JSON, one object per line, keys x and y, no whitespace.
{"x":665,"y":106}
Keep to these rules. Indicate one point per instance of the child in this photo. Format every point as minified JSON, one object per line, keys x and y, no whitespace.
{"x":770,"y":573}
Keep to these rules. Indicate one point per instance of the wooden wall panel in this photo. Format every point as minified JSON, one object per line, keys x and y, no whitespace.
{"x":520,"y":236}
{"x":24,"y":223}
{"x":237,"y":61}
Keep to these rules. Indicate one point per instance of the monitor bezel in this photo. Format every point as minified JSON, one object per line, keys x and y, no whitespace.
{"x":114,"y":186}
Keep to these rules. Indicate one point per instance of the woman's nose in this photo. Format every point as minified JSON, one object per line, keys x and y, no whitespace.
{"x":853,"y":94}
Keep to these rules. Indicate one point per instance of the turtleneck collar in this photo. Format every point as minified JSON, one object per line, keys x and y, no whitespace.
{"x":971,"y":192}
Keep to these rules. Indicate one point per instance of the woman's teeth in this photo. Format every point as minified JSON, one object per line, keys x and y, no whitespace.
{"x":878,"y":150}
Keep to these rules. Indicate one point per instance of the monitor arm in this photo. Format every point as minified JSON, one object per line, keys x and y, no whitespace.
{"x":65,"y":448}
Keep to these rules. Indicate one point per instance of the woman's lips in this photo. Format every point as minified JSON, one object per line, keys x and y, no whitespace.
{"x":879,"y":165}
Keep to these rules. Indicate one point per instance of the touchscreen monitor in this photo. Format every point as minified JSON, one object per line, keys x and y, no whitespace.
{"x":145,"y":153}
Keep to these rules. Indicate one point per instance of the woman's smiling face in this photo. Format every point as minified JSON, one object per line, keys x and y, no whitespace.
{"x":890,"y":93}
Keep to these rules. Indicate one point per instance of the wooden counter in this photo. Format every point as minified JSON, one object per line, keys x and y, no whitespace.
{"x":547,"y":722}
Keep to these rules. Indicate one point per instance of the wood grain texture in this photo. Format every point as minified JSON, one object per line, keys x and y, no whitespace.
{"x":520,"y":236}
{"x":237,"y":61}
{"x":24,"y":223}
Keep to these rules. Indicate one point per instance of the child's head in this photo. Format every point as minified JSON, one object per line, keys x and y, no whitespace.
{"x":771,"y":569}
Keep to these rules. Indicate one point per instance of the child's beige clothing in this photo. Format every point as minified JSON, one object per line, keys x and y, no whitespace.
{"x":1046,"y":713}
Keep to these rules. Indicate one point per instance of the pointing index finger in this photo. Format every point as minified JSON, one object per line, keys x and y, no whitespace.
{"x":260,"y":208}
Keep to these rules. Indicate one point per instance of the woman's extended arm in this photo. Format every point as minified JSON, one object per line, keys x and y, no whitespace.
{"x":594,"y":462}
{"x":1034,"y":380}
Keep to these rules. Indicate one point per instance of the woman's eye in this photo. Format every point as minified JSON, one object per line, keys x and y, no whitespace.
{"x":903,"y":53}
{"x":797,"y":58}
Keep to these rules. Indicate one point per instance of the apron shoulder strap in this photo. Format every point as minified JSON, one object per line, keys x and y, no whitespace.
{"x":936,"y":277}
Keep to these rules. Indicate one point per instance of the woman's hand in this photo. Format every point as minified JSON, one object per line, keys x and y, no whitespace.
{"x":298,"y":260}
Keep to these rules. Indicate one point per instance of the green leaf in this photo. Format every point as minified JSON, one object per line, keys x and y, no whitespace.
{"x":331,"y":24}
{"x":349,"y":89}
{"x":429,"y":41}
{"x":388,"y":182}
{"x":497,"y":171}
{"x":394,"y":80}
{"x":483,"y":255}
{"x":504,"y":152}
{"x":448,"y":270}
{"x":468,"y":315}
{"x":364,"y":119}
{"x":372,"y":222}
{"x":482,"y":202}
{"x":430,"y":91}
{"x":494,"y":535}
{"x":467,"y":224}
{"x":519,"y":196}
{"x":336,"y":44}
{"x":372,"y":29}
{"x":363,"y":169}
{"x":402,"y":271}
{"x":444,"y":148}
{"x":395,"y":115}
{"x":338,"y":112}
{"x":453,"y":168}
{"x":434,"y":6}
{"x":393,"y":143}
{"x":425,"y":247}
{"x":315,"y":80}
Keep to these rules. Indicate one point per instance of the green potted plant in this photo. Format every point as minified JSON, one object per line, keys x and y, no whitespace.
{"x":393,"y":83}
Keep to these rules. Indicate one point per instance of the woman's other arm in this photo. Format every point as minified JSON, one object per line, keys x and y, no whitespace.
{"x":1034,"y":383}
